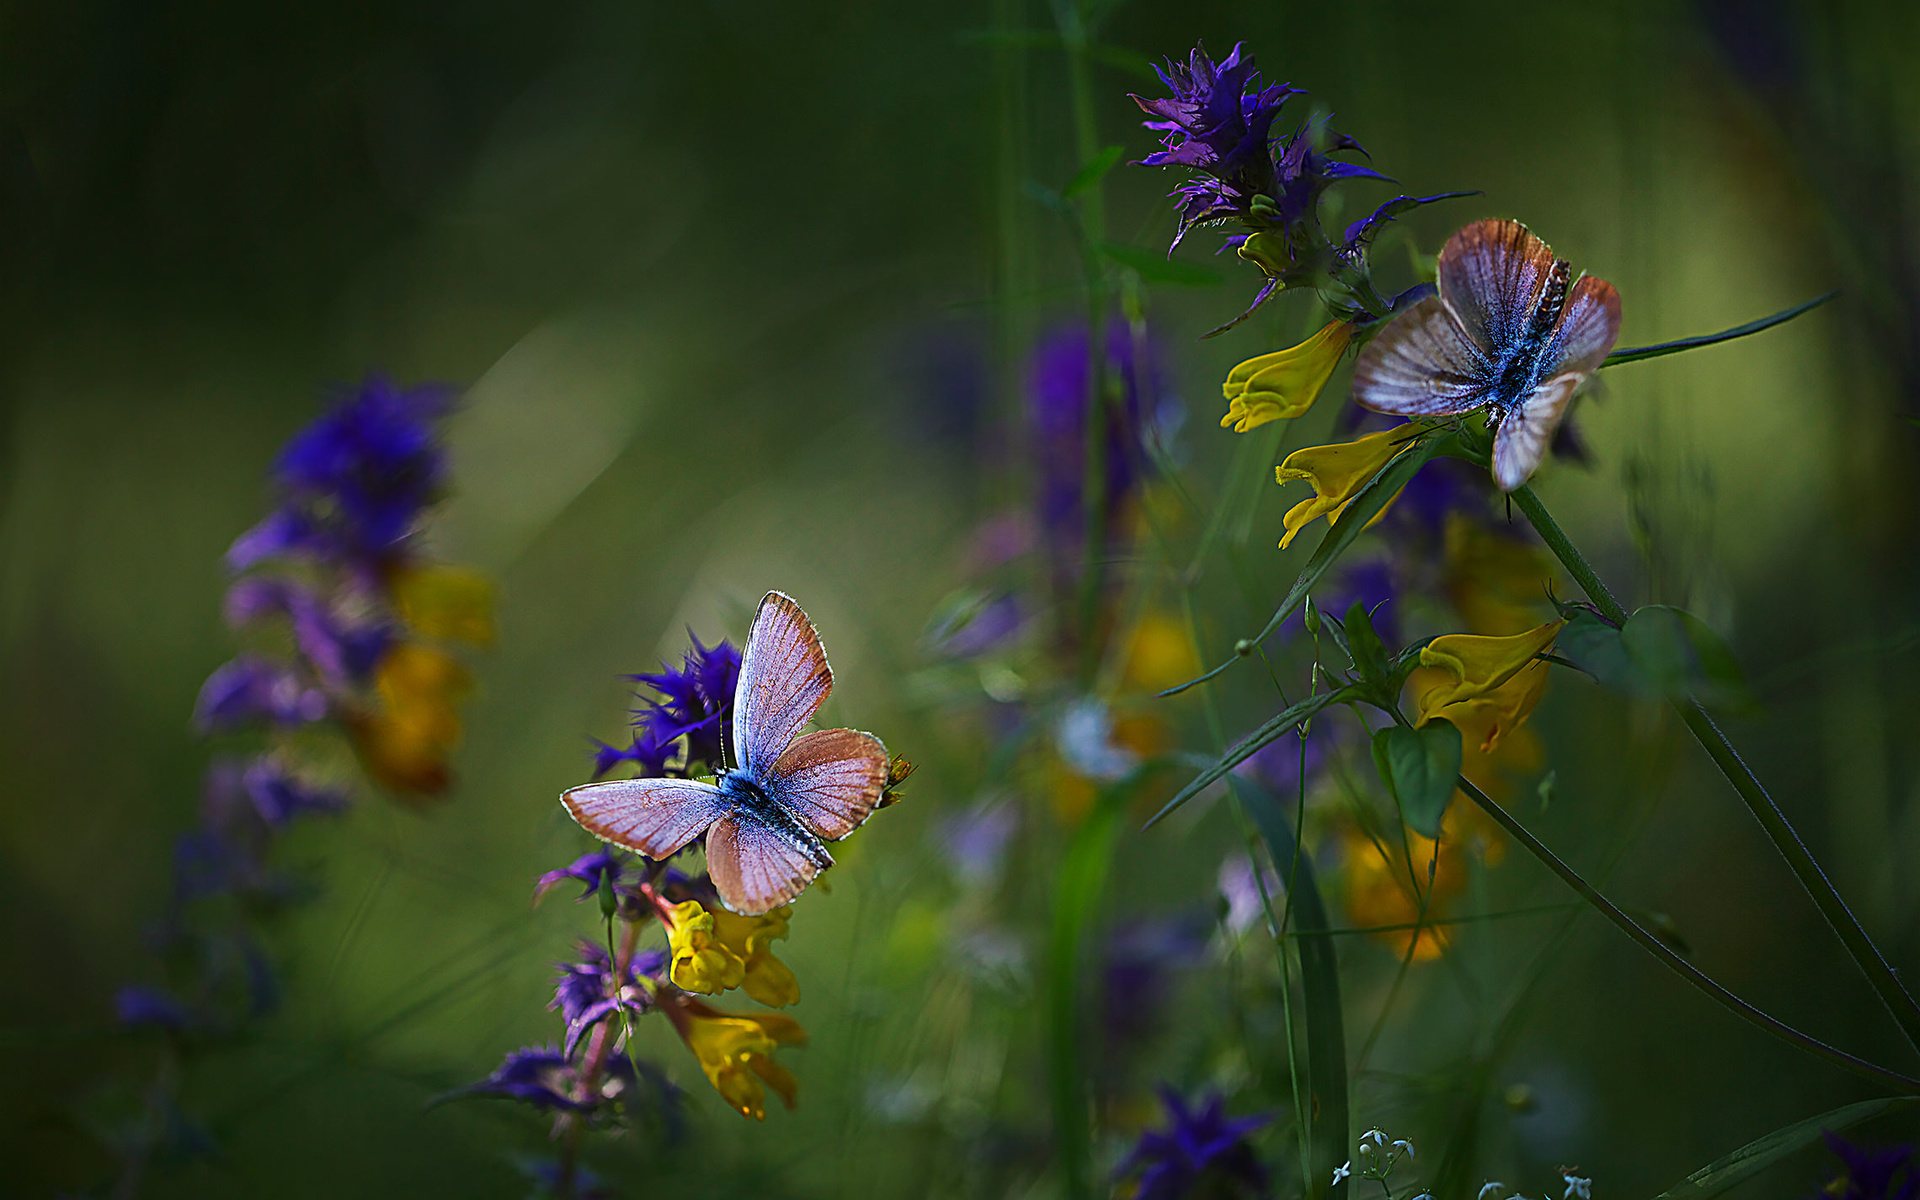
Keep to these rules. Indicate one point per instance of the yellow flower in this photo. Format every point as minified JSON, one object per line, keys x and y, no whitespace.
{"x":1496,"y":581}
{"x":736,"y":1052}
{"x":1284,"y":383}
{"x":1485,"y":720}
{"x":716,"y":951}
{"x":1159,"y":654}
{"x":1379,"y":892}
{"x":405,"y":738}
{"x":1473,"y":666}
{"x":445,"y":603}
{"x":1337,"y":473}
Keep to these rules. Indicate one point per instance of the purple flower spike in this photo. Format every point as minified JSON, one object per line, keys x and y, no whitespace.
{"x":279,"y":795}
{"x":542,"y":1076}
{"x":648,"y":754}
{"x":252,"y":689}
{"x":1198,"y":1147}
{"x":601,"y":866}
{"x":1888,"y":1173}
{"x":582,"y":994}
{"x":138,"y":1006}
{"x":695,"y":701}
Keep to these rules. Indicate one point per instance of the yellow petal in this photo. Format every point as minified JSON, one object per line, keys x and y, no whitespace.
{"x":1474,"y":665}
{"x":700,"y":962}
{"x":1337,"y":472}
{"x":1286,"y":382}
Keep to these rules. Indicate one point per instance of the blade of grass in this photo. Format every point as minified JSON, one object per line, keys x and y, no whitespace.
{"x":1761,"y":1153}
{"x":1639,"y":353}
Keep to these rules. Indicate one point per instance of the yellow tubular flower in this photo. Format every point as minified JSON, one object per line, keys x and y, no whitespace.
{"x":750,"y":939}
{"x":1337,"y":473}
{"x":736,"y":1053}
{"x":406,"y":738}
{"x":1474,"y":666}
{"x":1485,"y":720}
{"x":700,"y":962}
{"x":1284,"y":383}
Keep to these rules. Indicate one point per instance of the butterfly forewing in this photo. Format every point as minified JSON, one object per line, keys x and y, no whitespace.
{"x":831,"y":780}
{"x":654,"y":816}
{"x":1422,"y":364}
{"x":784,"y":679}
{"x":1491,"y":275}
{"x":1589,"y":326}
{"x":1525,"y":431}
{"x":755,"y":868}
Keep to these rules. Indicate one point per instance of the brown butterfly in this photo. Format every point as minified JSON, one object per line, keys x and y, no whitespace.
{"x":1509,"y":330}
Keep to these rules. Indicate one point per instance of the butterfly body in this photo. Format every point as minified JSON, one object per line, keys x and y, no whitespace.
{"x":1511,"y":330}
{"x":766,"y":820}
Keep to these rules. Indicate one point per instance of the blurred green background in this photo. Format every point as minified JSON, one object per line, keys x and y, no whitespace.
{"x":722,"y":280}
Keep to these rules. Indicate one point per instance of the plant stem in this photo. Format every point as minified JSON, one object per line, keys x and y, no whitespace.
{"x":1866,"y":956}
{"x":1899,"y":1083}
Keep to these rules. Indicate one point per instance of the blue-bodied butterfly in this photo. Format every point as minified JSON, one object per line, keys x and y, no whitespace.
{"x":1510,"y":330}
{"x":768,"y":819}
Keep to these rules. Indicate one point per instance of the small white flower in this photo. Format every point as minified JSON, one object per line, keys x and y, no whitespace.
{"x":1492,"y":1186}
{"x":1374,"y":1136}
{"x":1343,"y":1170}
{"x":1405,"y":1147}
{"x":1577,"y":1188}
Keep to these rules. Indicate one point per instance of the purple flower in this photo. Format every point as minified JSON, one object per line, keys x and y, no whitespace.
{"x":1889,"y":1173}
{"x":210,"y":864}
{"x":974,"y":841}
{"x":250,"y":689}
{"x":543,"y":1077}
{"x":602,"y":866}
{"x":695,"y":701}
{"x":279,"y":795}
{"x":1200,"y":1152}
{"x":343,"y":651}
{"x":1141,"y":958}
{"x":137,"y":1005}
{"x":583,"y":994}
{"x":1277,"y":764}
{"x":647,"y":753}
{"x":356,"y":479}
{"x":1369,"y":583}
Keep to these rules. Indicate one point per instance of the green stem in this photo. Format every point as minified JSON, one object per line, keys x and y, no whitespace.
{"x":1680,"y":966}
{"x":1866,"y":956}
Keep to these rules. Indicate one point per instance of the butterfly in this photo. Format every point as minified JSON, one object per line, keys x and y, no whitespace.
{"x":1510,"y":330}
{"x":767,"y":820}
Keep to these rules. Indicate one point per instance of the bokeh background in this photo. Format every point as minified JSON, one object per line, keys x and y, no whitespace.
{"x":725,"y":284}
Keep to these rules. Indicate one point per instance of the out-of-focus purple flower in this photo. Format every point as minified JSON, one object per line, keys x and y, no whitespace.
{"x":211,"y":864}
{"x":601,"y":867}
{"x":1199,"y":1153}
{"x":980,"y":627}
{"x":543,"y":1077}
{"x":1277,"y":764}
{"x":553,"y":1179}
{"x":648,"y":755}
{"x":342,"y":650}
{"x":1141,"y":959}
{"x":696,"y":701}
{"x":974,"y":842}
{"x":279,"y":795}
{"x":1242,"y":892}
{"x":1885,"y":1173}
{"x":1370,"y":583}
{"x":137,"y":1005}
{"x":356,"y":479}
{"x":250,"y":689}
{"x":1443,"y":486}
{"x":583,"y":994}
{"x":1218,"y":122}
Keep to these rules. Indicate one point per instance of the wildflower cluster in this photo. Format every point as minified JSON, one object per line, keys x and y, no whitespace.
{"x":1201,"y":1152}
{"x":350,"y":630}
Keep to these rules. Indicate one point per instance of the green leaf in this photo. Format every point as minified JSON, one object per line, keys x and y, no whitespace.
{"x":1092,"y":171}
{"x":1319,"y":987}
{"x":1636,"y":353}
{"x":1364,"y":645}
{"x":1245,"y":748}
{"x":1761,"y":1153}
{"x":1155,"y":268}
{"x":1680,"y":655}
{"x":1594,"y":646}
{"x":1419,"y":767}
{"x":1384,"y":486}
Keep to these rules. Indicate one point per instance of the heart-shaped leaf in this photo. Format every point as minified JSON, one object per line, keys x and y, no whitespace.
{"x":1420,"y":767}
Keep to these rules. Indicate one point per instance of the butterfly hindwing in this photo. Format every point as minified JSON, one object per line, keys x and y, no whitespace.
{"x":1589,"y":326}
{"x":831,"y":780}
{"x":1422,"y":364}
{"x":1491,"y":274}
{"x":1528,"y":427}
{"x":756,"y":868}
{"x":784,"y":679}
{"x":654,"y":816}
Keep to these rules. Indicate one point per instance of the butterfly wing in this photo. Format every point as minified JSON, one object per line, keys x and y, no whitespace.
{"x":654,"y":816}
{"x":1422,"y":364}
{"x":1491,"y":275}
{"x":1527,"y":428}
{"x":831,"y":780}
{"x":755,"y":868}
{"x":784,"y":679}
{"x":1589,"y":326}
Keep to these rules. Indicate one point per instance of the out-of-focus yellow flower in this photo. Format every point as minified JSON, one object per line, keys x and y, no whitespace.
{"x":1337,"y":473}
{"x":406,"y":736}
{"x":1379,"y":891}
{"x":1159,"y":654}
{"x":1472,"y":666}
{"x":446,"y":603}
{"x":736,"y":1053}
{"x":1498,"y":583}
{"x":714,"y":951}
{"x":1284,"y":383}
